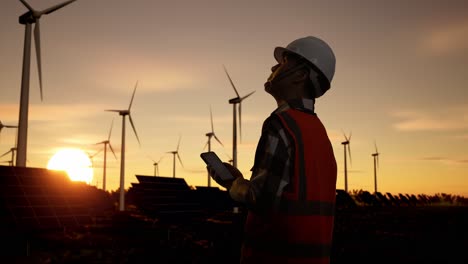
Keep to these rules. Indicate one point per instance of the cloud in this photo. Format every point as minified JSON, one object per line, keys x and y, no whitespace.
{"x":50,"y":112}
{"x":445,"y":160}
{"x":450,"y":119}
{"x":448,"y":39}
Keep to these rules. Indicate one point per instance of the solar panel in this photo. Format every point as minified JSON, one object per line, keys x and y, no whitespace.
{"x":34,"y":199}
{"x":164,"y":197}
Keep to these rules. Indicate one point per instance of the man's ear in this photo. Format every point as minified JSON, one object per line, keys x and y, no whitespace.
{"x":301,"y":75}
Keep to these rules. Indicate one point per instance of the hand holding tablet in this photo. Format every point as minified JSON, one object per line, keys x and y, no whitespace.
{"x":213,"y":161}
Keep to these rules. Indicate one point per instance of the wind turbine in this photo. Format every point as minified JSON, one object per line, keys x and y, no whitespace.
{"x":91,"y":156}
{"x":208,"y":143}
{"x":12,"y":151}
{"x":175,"y":153}
{"x":376,"y":165}
{"x":27,"y":19}
{"x":346,"y":144}
{"x":236,"y":101}
{"x":124,"y":113}
{"x":106,"y":142}
{"x":156,"y":165}
{"x":6,"y":126}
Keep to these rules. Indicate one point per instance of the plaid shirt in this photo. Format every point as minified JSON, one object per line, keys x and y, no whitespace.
{"x":273,"y":166}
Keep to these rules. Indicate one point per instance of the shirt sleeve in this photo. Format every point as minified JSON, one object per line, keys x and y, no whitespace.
{"x":271,"y":170}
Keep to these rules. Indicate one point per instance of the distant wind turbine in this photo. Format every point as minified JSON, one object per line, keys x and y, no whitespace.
{"x":236,"y":101}
{"x":12,"y":151}
{"x":156,"y":165}
{"x":124,"y":113}
{"x":6,"y":126}
{"x":91,"y":156}
{"x":346,"y":144}
{"x":175,"y":153}
{"x":106,"y":142}
{"x":27,"y":19}
{"x":376,"y":165}
{"x":208,"y":143}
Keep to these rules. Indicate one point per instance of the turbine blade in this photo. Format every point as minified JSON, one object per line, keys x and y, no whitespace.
{"x":6,"y":153}
{"x":37,"y":39}
{"x":133,"y":95}
{"x":178,"y":157}
{"x":240,"y":122}
{"x":217,"y":139}
{"x":211,"y":118}
{"x":97,"y":152}
{"x":349,"y":139}
{"x":230,"y":80}
{"x":376,"y":150}
{"x":110,"y":131}
{"x":160,"y":159}
{"x":247,"y":96}
{"x":206,"y":144}
{"x":377,"y":160}
{"x":58,"y":6}
{"x":134,"y":130}
{"x":113,"y":110}
{"x":178,"y":143}
{"x":27,"y":5}
{"x":110,"y":146}
{"x":346,"y":138}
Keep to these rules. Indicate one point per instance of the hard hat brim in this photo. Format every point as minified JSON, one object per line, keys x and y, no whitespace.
{"x":278,"y":53}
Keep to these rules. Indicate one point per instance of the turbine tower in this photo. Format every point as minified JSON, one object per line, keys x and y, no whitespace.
{"x":106,"y":142}
{"x":376,"y":165}
{"x":236,"y":101}
{"x":347,"y":145}
{"x":208,"y":143}
{"x":27,"y":19}
{"x":12,"y":151}
{"x":175,"y":153}
{"x":6,"y":126}
{"x":124,"y":113}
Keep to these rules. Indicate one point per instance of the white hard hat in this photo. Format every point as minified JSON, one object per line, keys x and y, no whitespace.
{"x":317,"y":52}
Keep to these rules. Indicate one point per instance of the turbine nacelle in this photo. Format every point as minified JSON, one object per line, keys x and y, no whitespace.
{"x":236,"y":100}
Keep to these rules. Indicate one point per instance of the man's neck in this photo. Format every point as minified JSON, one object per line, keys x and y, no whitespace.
{"x":280,"y":102}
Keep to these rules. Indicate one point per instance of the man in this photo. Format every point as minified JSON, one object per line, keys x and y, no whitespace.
{"x":290,"y":196}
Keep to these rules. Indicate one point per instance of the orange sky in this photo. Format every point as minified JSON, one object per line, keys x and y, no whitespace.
{"x":400,"y":80}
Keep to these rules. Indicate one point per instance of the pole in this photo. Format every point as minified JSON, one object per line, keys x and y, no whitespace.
{"x":122,"y":168}
{"x":345,"y":169}
{"x":234,"y":137}
{"x":24,"y":100}
{"x":375,"y":175}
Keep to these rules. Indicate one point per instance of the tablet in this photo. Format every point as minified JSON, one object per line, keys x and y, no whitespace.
{"x":217,"y":165}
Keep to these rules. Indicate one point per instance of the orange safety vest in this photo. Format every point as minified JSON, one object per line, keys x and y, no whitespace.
{"x":301,"y":230}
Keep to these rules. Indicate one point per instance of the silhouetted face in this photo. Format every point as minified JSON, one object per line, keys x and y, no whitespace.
{"x":284,"y":75}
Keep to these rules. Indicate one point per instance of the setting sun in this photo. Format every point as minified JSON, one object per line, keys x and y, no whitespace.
{"x":75,"y":162}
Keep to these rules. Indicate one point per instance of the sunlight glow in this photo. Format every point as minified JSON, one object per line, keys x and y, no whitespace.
{"x":75,"y":162}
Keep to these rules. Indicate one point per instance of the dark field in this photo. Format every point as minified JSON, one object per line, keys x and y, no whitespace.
{"x":422,"y":234}
{"x":166,"y":221}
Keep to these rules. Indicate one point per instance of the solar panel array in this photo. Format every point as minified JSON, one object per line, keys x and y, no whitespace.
{"x":164,"y":197}
{"x":39,"y":199}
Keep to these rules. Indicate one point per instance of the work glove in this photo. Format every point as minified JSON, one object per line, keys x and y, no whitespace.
{"x":225,"y":183}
